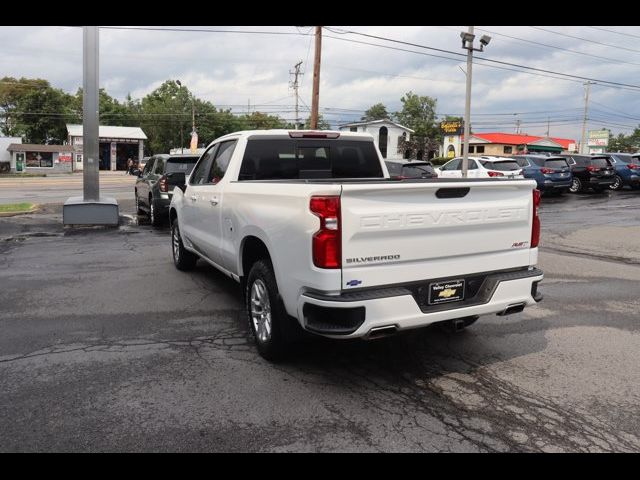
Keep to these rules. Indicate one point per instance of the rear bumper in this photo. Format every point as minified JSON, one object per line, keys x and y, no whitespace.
{"x":355,"y":314}
{"x":632,"y":180}
{"x":554,"y":185}
{"x":602,"y":182}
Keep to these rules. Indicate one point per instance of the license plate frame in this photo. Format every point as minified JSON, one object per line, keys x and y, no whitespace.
{"x":441,"y":292}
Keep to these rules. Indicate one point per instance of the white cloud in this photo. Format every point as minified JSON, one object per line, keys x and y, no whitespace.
{"x":232,"y":68}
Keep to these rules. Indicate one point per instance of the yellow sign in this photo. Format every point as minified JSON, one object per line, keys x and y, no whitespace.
{"x":452,"y":127}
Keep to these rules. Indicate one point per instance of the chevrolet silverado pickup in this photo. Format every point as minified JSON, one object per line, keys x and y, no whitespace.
{"x":323,"y":240}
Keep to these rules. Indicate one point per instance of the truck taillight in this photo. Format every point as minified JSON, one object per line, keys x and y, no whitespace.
{"x":326,"y":243}
{"x":535,"y":227}
{"x":495,"y":174}
{"x":164,"y":184}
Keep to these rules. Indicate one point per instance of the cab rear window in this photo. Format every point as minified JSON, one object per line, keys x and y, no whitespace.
{"x":275,"y":159}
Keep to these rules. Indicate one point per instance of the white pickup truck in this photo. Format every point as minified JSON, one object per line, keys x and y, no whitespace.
{"x":323,"y":240}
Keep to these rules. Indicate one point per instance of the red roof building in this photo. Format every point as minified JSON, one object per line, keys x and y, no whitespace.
{"x":512,"y":143}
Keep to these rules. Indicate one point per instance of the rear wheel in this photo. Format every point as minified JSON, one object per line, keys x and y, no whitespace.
{"x":617,"y":183}
{"x":576,"y":185}
{"x":138,"y":209}
{"x":154,"y":218}
{"x":182,"y":258}
{"x":270,"y":325}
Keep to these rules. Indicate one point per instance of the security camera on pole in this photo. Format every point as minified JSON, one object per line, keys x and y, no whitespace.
{"x":467,"y":43}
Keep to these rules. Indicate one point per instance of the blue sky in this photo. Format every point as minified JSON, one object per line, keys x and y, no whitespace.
{"x":233,"y":69}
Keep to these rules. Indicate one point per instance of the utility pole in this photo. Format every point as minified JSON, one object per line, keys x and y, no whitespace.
{"x":294,"y":85}
{"x":91,"y":208}
{"x":90,"y":112}
{"x":467,"y":43}
{"x":316,"y":80}
{"x":517,"y":125}
{"x":583,"y":140}
{"x":548,"y":123}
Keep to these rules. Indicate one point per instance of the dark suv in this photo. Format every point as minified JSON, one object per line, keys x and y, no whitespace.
{"x":627,"y":170}
{"x":156,"y":182}
{"x":408,"y":169}
{"x":552,"y":174}
{"x":590,"y":171}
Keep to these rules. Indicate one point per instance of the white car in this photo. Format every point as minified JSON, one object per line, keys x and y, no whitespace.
{"x":321,"y":238}
{"x":482,"y":167}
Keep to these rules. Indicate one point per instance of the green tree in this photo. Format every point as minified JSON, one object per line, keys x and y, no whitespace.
{"x":376,"y":112}
{"x":262,"y":121}
{"x":419,"y":114}
{"x":625,"y":143}
{"x":33,"y":109}
{"x":322,"y":123}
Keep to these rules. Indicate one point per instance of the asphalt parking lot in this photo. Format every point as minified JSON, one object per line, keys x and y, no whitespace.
{"x":105,"y":346}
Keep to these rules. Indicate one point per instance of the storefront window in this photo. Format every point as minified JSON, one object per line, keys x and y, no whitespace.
{"x":39,"y":159}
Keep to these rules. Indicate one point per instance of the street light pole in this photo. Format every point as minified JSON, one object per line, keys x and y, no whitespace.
{"x":467,"y":43}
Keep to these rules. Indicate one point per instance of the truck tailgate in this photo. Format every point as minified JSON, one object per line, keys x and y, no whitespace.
{"x":404,"y":232}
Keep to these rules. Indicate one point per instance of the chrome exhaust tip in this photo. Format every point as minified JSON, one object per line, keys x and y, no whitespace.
{"x":380,"y":332}
{"x":515,"y":308}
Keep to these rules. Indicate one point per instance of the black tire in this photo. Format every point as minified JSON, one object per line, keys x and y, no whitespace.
{"x":617,"y":184}
{"x":139,"y":211}
{"x":576,"y":185}
{"x":154,"y":217}
{"x":183,"y":259}
{"x":275,"y":335}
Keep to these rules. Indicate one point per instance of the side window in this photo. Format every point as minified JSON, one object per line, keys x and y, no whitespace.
{"x":149,"y":166}
{"x":203,"y":166}
{"x":472,"y":165}
{"x":221,"y":161}
{"x":158,"y":169}
{"x":452,"y":165}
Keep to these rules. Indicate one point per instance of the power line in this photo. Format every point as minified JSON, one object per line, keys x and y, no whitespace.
{"x":201,"y":30}
{"x":564,"y":50}
{"x":626,"y":34}
{"x":489,"y":60}
{"x":586,"y":39}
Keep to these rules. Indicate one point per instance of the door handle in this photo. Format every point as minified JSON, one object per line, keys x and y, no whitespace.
{"x":213,"y":201}
{"x":193,"y":198}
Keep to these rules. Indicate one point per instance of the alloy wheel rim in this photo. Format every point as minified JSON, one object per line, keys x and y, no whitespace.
{"x":260,"y":311}
{"x":176,"y":244}
{"x":575,"y":185}
{"x":152,"y":212}
{"x":616,"y":184}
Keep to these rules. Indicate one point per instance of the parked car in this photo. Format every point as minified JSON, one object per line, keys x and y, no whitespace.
{"x":552,"y":174}
{"x":590,"y":172}
{"x":481,"y":167}
{"x":410,"y":169}
{"x":322,"y":240}
{"x":155,"y":184}
{"x":627,"y":170}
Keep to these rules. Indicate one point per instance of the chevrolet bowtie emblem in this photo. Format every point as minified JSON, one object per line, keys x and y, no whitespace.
{"x":448,"y":292}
